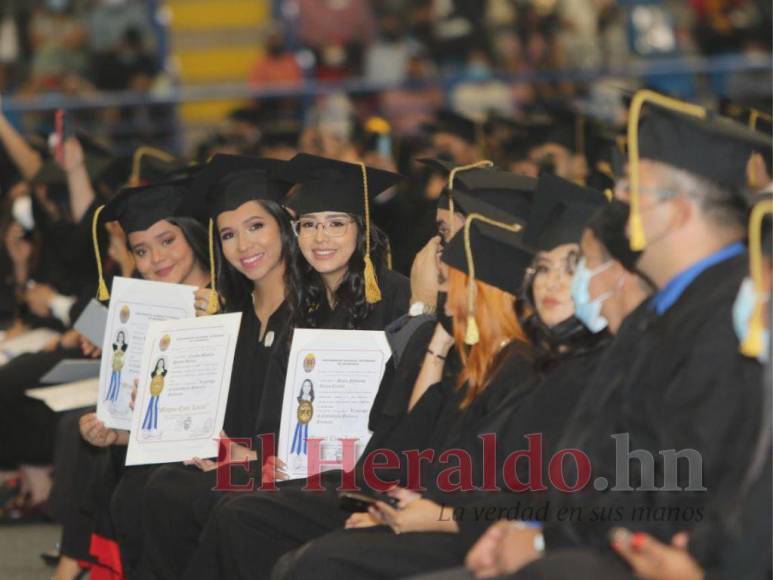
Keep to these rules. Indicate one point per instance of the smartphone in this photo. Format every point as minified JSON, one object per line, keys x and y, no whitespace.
{"x":355,"y":502}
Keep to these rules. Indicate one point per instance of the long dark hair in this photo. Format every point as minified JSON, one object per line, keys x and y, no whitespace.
{"x":350,"y":295}
{"x":232,"y":285}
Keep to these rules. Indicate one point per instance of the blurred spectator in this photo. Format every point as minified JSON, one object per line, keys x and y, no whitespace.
{"x":386,"y":61}
{"x":324,"y":23}
{"x":277,"y":65}
{"x":130,"y":64}
{"x":58,"y":36}
{"x":407,"y":108}
{"x":110,"y":20}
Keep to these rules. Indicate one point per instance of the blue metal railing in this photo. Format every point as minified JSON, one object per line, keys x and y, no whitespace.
{"x":643,"y":72}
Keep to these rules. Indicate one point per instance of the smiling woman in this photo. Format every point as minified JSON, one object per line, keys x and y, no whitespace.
{"x":171,"y":250}
{"x":343,"y":279}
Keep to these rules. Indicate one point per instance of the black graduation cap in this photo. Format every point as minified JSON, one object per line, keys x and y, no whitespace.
{"x":560,"y":211}
{"x":447,"y":121}
{"x":715,"y":148}
{"x":332,"y":185}
{"x":448,"y":168}
{"x":137,"y":209}
{"x":688,"y":137}
{"x":228,"y":181}
{"x":150,"y":165}
{"x":492,"y":252}
{"x":503,"y":190}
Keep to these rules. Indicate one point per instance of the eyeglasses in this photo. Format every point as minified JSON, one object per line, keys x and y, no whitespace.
{"x":335,"y":228}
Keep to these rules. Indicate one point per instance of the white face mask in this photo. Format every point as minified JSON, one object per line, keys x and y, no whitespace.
{"x":22,"y":212}
{"x":743,"y":308}
{"x":586,"y":310}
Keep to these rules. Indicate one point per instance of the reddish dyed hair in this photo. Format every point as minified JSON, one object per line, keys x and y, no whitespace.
{"x":497,"y":323}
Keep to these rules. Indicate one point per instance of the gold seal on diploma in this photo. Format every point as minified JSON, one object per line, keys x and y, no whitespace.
{"x":124,"y":314}
{"x":305,"y":412}
{"x":308,"y":362}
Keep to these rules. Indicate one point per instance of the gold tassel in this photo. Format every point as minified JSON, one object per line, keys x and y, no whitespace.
{"x":372,"y":291}
{"x":213,"y":304}
{"x":752,"y":345}
{"x":609,"y":195}
{"x":103,"y":293}
{"x":471,"y":335}
{"x":638,"y":241}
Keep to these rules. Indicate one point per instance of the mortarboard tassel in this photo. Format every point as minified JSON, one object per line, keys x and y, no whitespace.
{"x":213,"y":304}
{"x":609,"y":195}
{"x":752,"y":344}
{"x":135,"y":178}
{"x":484,"y":164}
{"x":372,"y":291}
{"x":471,"y":333}
{"x":638,"y":241}
{"x":102,"y":292}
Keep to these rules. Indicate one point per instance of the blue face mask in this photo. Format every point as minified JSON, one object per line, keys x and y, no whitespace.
{"x":743,"y":308}
{"x":586,"y":310}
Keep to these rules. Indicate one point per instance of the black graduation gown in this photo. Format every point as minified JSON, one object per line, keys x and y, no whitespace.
{"x":378,"y":553}
{"x":176,"y":483}
{"x":169,"y":550}
{"x":674,"y":381}
{"x":246,"y":535}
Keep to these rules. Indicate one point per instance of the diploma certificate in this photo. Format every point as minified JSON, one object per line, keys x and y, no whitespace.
{"x":332,"y":379}
{"x":185,"y":376}
{"x":134,"y":304}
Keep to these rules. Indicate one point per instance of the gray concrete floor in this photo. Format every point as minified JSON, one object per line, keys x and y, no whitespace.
{"x":20,"y":548}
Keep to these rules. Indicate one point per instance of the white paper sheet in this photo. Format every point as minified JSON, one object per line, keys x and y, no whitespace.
{"x":332,"y":379}
{"x":185,"y":377}
{"x":134,"y":304}
{"x":69,"y":396}
{"x":30,"y":341}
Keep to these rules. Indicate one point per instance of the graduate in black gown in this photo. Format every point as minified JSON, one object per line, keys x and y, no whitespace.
{"x":567,"y":354}
{"x":168,"y":246}
{"x":256,"y":248}
{"x":330,"y":293}
{"x":447,"y":414}
{"x":673,"y":378}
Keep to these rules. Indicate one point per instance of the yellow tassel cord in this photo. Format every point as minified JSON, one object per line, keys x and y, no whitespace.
{"x":755,"y":115}
{"x":213,"y":304}
{"x":638,"y":241}
{"x":485,"y":164}
{"x":609,"y":195}
{"x":102,"y":292}
{"x":472,"y":334}
{"x":752,"y":345}
{"x":143,"y":151}
{"x":372,"y":291}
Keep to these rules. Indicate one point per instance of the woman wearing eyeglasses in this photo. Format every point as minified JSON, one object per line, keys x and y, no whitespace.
{"x":329,"y":290}
{"x":337,"y":239}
